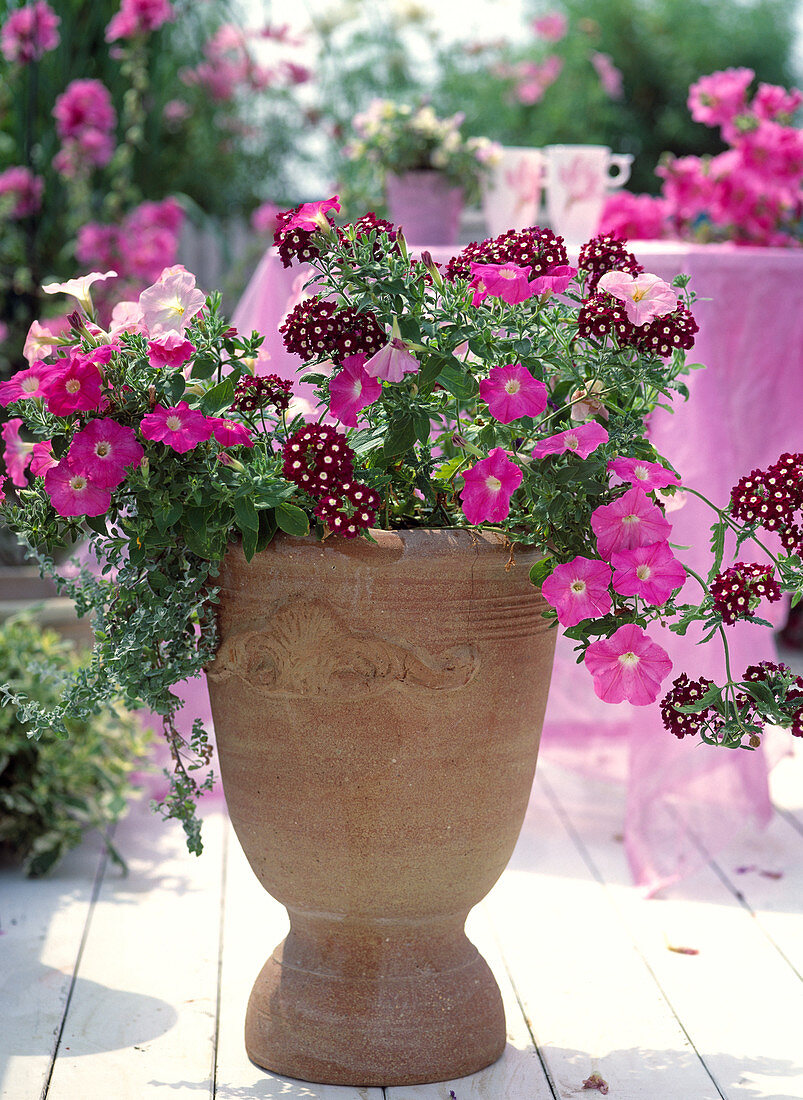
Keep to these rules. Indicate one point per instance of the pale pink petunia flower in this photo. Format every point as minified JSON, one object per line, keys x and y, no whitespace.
{"x":392,"y":362}
{"x":638,"y":471}
{"x":351,"y":390}
{"x":645,"y":296}
{"x":73,"y":494}
{"x":631,"y":520}
{"x":171,"y":303}
{"x":42,"y":458}
{"x":586,"y":403}
{"x":80,"y":288}
{"x":511,"y":391}
{"x":579,"y":589}
{"x":506,"y":281}
{"x":489,"y":485}
{"x":179,"y":427}
{"x":73,"y":386}
{"x":312,"y":215}
{"x":17,"y":453}
{"x":25,"y":384}
{"x":39,"y":343}
{"x":581,"y":441}
{"x":126,"y":317}
{"x":651,"y":572}
{"x":229,"y":433}
{"x":555,"y":281}
{"x":104,"y":451}
{"x":627,"y":666}
{"x":169,"y":349}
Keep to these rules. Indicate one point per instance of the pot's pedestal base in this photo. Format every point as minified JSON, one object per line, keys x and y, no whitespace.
{"x":376,"y":1005}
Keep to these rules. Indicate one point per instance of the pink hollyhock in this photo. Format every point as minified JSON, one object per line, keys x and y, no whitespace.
{"x":651,"y":572}
{"x":555,"y":281}
{"x":73,"y":387}
{"x":17,"y":452}
{"x":42,"y":458}
{"x":533,"y":79}
{"x":579,"y":590}
{"x":581,"y":440}
{"x":179,"y":427}
{"x":511,"y":392}
{"x":73,"y":494}
{"x":551,"y":26}
{"x":312,"y":215}
{"x":24,"y":188}
{"x":630,"y":521}
{"x":627,"y":666}
{"x":263,"y":219}
{"x":25,"y":384}
{"x":489,"y":485}
{"x":229,"y":433}
{"x":645,"y":296}
{"x":103,"y":451}
{"x":506,"y":281}
{"x":169,"y":350}
{"x":85,"y":105}
{"x":391,"y":362}
{"x":29,"y":33}
{"x":638,"y":471}
{"x":171,"y":303}
{"x":139,"y":17}
{"x":716,"y":98}
{"x":352,"y":389}
{"x":609,"y":76}
{"x":80,"y":288}
{"x":634,"y":217}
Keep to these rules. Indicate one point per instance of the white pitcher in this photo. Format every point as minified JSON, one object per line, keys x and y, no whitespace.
{"x":578,"y":177}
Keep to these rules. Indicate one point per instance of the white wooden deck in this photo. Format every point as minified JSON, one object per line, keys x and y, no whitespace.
{"x":114,"y":988}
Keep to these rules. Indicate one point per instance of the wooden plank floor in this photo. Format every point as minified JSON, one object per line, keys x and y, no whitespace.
{"x":114,"y":988}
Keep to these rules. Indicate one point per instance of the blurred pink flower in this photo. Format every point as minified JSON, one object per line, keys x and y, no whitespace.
{"x":263,"y":219}
{"x":511,"y":391}
{"x":533,"y":79}
{"x":645,"y":296}
{"x":579,"y":589}
{"x":715,"y":99}
{"x":609,"y":76}
{"x":103,"y":451}
{"x":17,"y":453}
{"x":29,"y":32}
{"x":139,"y":17}
{"x":773,"y":102}
{"x":39,"y":343}
{"x":180,"y":427}
{"x":631,"y":520}
{"x":84,"y":105}
{"x":634,"y":217}
{"x":651,"y":572}
{"x":24,"y":188}
{"x":551,"y":27}
{"x":627,"y":666}
{"x":176,"y":111}
{"x":581,"y":441}
{"x":489,"y":485}
{"x":73,"y":494}
{"x":351,"y":390}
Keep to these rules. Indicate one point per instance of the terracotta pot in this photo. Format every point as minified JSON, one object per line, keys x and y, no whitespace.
{"x":426,"y":206}
{"x":378,"y":710}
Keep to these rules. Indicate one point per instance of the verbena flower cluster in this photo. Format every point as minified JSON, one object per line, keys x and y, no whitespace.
{"x":481,"y":393}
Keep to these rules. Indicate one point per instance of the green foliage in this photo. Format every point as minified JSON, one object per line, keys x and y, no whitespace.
{"x":51,"y":794}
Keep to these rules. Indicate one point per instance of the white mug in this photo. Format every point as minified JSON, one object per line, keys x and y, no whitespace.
{"x":577,"y":180}
{"x":512,"y":196}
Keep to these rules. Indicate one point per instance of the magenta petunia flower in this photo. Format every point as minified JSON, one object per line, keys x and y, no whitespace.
{"x":229,"y":433}
{"x":103,"y":451}
{"x":630,"y":521}
{"x":581,"y":440}
{"x":645,"y":296}
{"x":506,"y":281}
{"x":42,"y":458}
{"x":627,"y":666}
{"x":555,"y":280}
{"x":639,"y":471}
{"x":180,"y":427}
{"x":579,"y":589}
{"x":489,"y":485}
{"x":170,"y":349}
{"x":312,"y":215}
{"x":352,"y":389}
{"x":651,"y":572}
{"x":392,"y":362}
{"x":511,"y":392}
{"x":17,"y":453}
{"x":171,"y":303}
{"x":73,"y":387}
{"x":73,"y":494}
{"x":25,"y":384}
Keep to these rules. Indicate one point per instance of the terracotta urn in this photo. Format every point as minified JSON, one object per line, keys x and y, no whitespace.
{"x":378,"y":709}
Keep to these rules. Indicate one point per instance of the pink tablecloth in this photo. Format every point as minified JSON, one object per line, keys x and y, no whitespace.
{"x":745,"y":411}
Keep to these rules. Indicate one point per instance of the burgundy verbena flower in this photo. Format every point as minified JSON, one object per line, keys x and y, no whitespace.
{"x":604,"y":253}
{"x":365,"y":225}
{"x":318,"y":328}
{"x":770,"y":498}
{"x":685,"y":692}
{"x":738,"y":590}
{"x":349,"y":508}
{"x":294,"y":241}
{"x":602,"y":315}
{"x":317,"y":458}
{"x":534,"y":248}
{"x":255,"y":391}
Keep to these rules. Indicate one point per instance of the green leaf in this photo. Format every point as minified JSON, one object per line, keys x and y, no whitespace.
{"x":401,"y":436}
{"x":246,"y":513}
{"x":541,"y":570}
{"x":174,"y":387}
{"x":249,"y":543}
{"x":458,"y":382}
{"x":291,"y":519}
{"x":204,"y":365}
{"x":421,"y":425}
{"x":219,"y":397}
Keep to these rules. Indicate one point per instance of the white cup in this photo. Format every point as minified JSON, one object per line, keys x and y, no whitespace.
{"x":578,"y":177}
{"x":512,"y":196}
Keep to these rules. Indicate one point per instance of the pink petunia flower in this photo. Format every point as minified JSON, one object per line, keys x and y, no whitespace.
{"x":391,"y":362}
{"x":3,"y":481}
{"x":579,"y":589}
{"x":42,"y":458}
{"x":555,"y":281}
{"x":511,"y":392}
{"x":103,"y":451}
{"x":169,"y":349}
{"x":17,"y":453}
{"x":171,"y":303}
{"x":489,"y":485}
{"x":179,"y":427}
{"x":229,"y":433}
{"x":352,"y":389}
{"x":506,"y":281}
{"x":25,"y":384}
{"x":581,"y":440}
{"x":645,"y":296}
{"x":73,"y":494}
{"x":638,"y":471}
{"x":630,"y":521}
{"x":73,"y":387}
{"x":651,"y":572}
{"x":627,"y":666}
{"x":312,"y":215}
{"x":41,"y":340}
{"x":126,"y":317}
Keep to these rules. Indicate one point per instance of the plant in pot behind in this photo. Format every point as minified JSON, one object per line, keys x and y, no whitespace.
{"x":371,"y":589}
